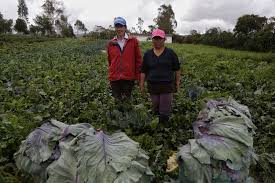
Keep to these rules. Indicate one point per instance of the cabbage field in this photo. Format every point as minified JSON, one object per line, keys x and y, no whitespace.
{"x":66,"y":79}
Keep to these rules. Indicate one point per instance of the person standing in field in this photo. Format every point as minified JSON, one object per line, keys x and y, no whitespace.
{"x":161,"y":70}
{"x":124,"y":58}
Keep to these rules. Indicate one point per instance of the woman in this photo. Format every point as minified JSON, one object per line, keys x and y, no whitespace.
{"x":161,"y":69}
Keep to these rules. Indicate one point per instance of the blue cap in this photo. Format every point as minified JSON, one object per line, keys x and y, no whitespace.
{"x":119,"y":20}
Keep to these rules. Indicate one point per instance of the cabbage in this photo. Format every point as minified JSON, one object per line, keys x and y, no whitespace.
{"x":222,"y":150}
{"x":56,"y":152}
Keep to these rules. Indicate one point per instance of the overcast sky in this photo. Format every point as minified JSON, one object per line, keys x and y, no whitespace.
{"x":190,"y":14}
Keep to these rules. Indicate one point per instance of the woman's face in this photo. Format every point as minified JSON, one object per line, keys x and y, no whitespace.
{"x":158,"y":42}
{"x":120,"y":30}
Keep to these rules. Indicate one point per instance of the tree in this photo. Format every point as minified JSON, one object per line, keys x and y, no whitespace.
{"x":193,"y":38}
{"x":263,"y":40}
{"x":271,"y":28}
{"x":213,"y":31}
{"x":134,"y":30}
{"x":227,"y":39}
{"x":52,"y":12}
{"x":249,"y":24}
{"x":80,"y":26}
{"x":178,"y":38}
{"x":99,"y":28}
{"x":70,"y":31}
{"x":44,"y":24}
{"x":34,"y":29}
{"x":64,"y":27}
{"x":255,"y":33}
{"x":140,"y":25}
{"x":194,"y":32}
{"x":152,"y":27}
{"x":49,"y":8}
{"x":22,"y":10}
{"x":270,"y":25}
{"x":251,"y":32}
{"x":166,"y":19}
{"x":100,"y":32}
{"x":53,"y":9}
{"x":211,"y":36}
{"x":5,"y":25}
{"x":21,"y":26}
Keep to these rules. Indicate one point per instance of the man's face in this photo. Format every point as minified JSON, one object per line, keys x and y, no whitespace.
{"x":120,"y":29}
{"x":158,"y":42}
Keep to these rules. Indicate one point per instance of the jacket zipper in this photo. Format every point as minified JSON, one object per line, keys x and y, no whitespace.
{"x":120,"y":60}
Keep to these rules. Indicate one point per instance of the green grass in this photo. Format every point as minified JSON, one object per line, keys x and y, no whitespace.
{"x":66,"y":79}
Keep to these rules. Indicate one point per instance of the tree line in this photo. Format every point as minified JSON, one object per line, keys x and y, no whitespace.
{"x":165,"y":20}
{"x":251,"y":32}
{"x":52,"y":22}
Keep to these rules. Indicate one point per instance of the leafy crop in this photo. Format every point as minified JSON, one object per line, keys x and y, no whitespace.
{"x":56,"y":152}
{"x":66,"y":79}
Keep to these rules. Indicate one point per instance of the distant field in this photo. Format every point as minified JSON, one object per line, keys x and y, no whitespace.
{"x":66,"y":79}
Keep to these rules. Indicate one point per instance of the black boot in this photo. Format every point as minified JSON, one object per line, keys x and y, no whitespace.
{"x":155,"y":113}
{"x":163,"y":121}
{"x":163,"y":118}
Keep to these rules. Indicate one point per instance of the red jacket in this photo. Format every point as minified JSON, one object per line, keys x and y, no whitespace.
{"x":126,"y":64}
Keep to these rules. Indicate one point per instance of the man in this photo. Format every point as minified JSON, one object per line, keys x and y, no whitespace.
{"x":124,"y":58}
{"x":161,"y":69}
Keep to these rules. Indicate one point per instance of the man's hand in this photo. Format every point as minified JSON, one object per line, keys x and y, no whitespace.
{"x":142,"y":89}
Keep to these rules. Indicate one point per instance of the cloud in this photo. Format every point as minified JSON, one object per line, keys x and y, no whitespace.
{"x":6,"y":9}
{"x":202,"y":15}
{"x":203,"y":25}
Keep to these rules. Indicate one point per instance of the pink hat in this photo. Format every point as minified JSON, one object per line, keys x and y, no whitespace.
{"x":159,"y":33}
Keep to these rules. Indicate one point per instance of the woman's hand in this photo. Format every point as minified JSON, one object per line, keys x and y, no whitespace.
{"x":178,"y":86}
{"x":141,"y":83}
{"x":178,"y":80}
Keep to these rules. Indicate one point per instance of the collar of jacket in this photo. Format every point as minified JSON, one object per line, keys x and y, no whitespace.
{"x":114,"y":40}
{"x":126,"y":36}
